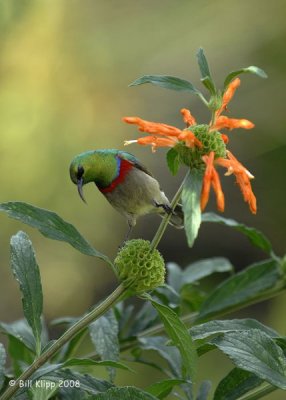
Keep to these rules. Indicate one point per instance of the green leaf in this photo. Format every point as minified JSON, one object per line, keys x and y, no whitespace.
{"x":2,"y":364}
{"x":177,"y":278}
{"x":104,"y":336}
{"x":44,"y":389}
{"x":20,"y":355}
{"x":173,"y":161}
{"x":167,"y":82}
{"x":50,"y":225}
{"x":21,"y":331}
{"x":252,"y":69}
{"x":222,"y":326}
{"x":180,"y":337}
{"x":124,"y":393}
{"x":243,"y":287}
{"x":256,"y":352}
{"x":203,"y":64}
{"x":26,"y":272}
{"x":235,"y":384}
{"x":255,"y":236}
{"x":203,"y":268}
{"x":169,"y":353}
{"x":143,"y":319}
{"x":205,"y":72}
{"x":163,"y":388}
{"x":191,"y":205}
{"x":209,"y":84}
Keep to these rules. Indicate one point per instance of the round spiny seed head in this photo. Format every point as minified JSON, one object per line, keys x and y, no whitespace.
{"x":211,"y":141}
{"x":139,"y":267}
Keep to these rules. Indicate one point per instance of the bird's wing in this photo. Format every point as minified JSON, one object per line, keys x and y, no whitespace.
{"x":133,"y":160}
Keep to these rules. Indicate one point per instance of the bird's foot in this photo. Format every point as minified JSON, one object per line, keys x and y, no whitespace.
{"x":165,"y":207}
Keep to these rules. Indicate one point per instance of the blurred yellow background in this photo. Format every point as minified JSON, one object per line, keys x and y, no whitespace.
{"x":65,"y":67}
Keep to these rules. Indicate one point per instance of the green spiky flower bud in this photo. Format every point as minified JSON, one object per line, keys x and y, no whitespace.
{"x":211,"y":141}
{"x":139,"y":266}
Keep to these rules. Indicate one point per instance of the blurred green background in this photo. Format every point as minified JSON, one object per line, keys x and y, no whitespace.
{"x":65,"y":67}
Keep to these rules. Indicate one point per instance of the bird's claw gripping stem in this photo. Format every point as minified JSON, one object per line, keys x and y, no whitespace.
{"x":165,"y":207}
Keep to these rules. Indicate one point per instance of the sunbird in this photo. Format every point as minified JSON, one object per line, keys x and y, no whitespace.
{"x":127,"y":184}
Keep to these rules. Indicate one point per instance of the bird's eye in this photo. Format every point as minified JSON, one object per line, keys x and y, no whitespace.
{"x":80,"y":172}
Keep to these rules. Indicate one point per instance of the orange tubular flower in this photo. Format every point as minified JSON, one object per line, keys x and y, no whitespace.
{"x":221,"y":122}
{"x":168,"y":136}
{"x":203,"y":147}
{"x":187,"y":116}
{"x":228,"y":95}
{"x":231,"y":123}
{"x":243,"y":177}
{"x":211,"y":177}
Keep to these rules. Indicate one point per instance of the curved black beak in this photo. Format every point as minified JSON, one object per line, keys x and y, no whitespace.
{"x":79,"y":189}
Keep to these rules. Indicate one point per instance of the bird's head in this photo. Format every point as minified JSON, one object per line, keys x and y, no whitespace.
{"x":82,"y":171}
{"x":98,"y":166}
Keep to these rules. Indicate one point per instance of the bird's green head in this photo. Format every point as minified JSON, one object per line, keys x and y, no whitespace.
{"x":97,"y":166}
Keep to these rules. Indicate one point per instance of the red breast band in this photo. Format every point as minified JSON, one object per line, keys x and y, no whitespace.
{"x":124,"y":168}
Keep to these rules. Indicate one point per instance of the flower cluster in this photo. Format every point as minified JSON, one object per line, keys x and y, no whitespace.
{"x":203,"y":147}
{"x":140,"y":267}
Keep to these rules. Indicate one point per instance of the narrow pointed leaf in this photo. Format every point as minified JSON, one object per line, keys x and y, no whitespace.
{"x":124,"y":393}
{"x":215,"y":327}
{"x":252,"y":69}
{"x":180,"y":337}
{"x":235,"y":384}
{"x":167,"y":82}
{"x":191,"y":205}
{"x":203,"y":64}
{"x":163,"y":388}
{"x":26,"y":272}
{"x":205,"y":72}
{"x":208,"y":83}
{"x":243,"y":287}
{"x":255,"y":236}
{"x":256,"y":352}
{"x":2,"y":364}
{"x":50,"y":225}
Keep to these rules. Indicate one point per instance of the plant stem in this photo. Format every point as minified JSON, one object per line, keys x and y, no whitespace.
{"x":113,"y":298}
{"x":166,"y":219}
{"x":259,"y":392}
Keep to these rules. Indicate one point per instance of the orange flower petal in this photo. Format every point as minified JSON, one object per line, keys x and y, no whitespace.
{"x":231,"y":123}
{"x":218,"y":191}
{"x":155,"y":128}
{"x":208,"y":160}
{"x":228,"y":95}
{"x":154,"y":141}
{"x":187,"y":116}
{"x":242,"y":176}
